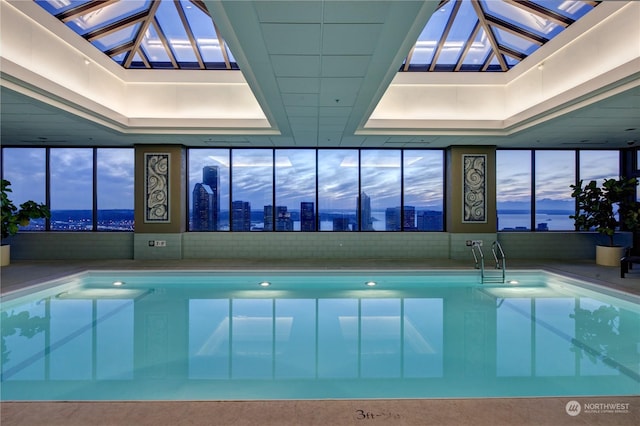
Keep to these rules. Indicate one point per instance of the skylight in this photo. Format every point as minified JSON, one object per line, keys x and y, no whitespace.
{"x":490,"y":35}
{"x":146,"y":34}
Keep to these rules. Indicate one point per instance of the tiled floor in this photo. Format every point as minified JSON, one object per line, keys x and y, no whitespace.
{"x":495,"y":411}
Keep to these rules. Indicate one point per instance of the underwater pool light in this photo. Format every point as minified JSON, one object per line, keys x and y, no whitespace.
{"x":118,"y":283}
{"x":371,"y":283}
{"x":513,"y":282}
{"x":265,"y":284}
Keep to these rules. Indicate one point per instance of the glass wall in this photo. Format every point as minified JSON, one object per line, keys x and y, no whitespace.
{"x":86,"y":189}
{"x":295,"y":190}
{"x":380,"y":190}
{"x":338,"y":189}
{"x":209,"y":177}
{"x":513,"y":190}
{"x":115,"y":189}
{"x":423,"y":189}
{"x":550,"y":182}
{"x":26,"y":169}
{"x":252,"y":190}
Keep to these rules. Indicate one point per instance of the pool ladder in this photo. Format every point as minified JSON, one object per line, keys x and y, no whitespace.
{"x":498,"y":256}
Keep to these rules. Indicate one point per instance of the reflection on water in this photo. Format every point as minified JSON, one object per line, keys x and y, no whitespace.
{"x":229,"y":340}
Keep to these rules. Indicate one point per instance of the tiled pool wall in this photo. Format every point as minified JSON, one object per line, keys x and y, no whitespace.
{"x":302,"y":245}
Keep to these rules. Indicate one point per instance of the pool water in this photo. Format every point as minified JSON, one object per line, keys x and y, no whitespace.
{"x":317,"y":335}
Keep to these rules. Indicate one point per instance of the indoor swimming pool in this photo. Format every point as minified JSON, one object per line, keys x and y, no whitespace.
{"x":263,"y":335}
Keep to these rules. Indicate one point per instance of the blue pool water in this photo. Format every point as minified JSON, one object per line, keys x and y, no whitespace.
{"x":321,"y":335}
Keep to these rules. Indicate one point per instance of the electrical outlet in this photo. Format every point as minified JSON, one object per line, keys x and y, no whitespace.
{"x":152,"y":243}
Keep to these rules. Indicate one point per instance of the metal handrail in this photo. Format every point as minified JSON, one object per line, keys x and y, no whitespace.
{"x":478,"y":257}
{"x":499,"y":257}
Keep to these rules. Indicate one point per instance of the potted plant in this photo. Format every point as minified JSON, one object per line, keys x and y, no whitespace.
{"x":595,"y":210}
{"x":13,"y":217}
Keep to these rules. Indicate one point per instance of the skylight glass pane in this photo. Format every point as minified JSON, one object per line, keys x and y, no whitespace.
{"x":204,"y":32}
{"x":458,"y":36}
{"x":521,"y":18}
{"x":107,"y":15}
{"x":478,"y":51}
{"x":517,"y":43}
{"x":117,"y":38}
{"x":428,"y":40}
{"x":153,"y":47}
{"x":171,"y":24}
{"x":58,"y":6}
{"x":570,"y":8}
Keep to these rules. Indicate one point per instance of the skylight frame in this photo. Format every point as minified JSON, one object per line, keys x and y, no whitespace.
{"x":130,"y":52}
{"x":495,"y":28}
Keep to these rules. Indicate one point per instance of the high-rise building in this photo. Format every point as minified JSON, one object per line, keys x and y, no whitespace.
{"x":206,"y":201}
{"x":366,"y":223}
{"x":341,"y":224}
{"x":211,"y":177}
{"x":392,"y":219}
{"x":268,"y":218}
{"x":409,"y":219}
{"x":241,"y":216}
{"x":283,"y":219}
{"x":202,"y":212}
{"x":429,"y":220}
{"x":307,"y":216}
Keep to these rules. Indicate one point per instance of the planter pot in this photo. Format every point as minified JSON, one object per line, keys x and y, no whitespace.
{"x":609,"y":256}
{"x":5,"y":255}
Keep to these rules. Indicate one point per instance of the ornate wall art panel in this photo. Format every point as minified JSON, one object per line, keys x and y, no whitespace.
{"x":156,"y":181}
{"x":474,"y":188}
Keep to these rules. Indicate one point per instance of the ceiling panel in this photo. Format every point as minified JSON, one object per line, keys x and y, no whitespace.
{"x":292,"y":39}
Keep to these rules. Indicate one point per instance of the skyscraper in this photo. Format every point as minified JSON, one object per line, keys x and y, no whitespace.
{"x":307,"y":216}
{"x":202,"y":213}
{"x":364,"y":201}
{"x":241,"y":216}
{"x":283,"y":219}
{"x":268,"y":218}
{"x":206,"y":201}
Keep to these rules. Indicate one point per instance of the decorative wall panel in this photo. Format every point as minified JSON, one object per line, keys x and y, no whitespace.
{"x":474,"y":188}
{"x":156,"y":180}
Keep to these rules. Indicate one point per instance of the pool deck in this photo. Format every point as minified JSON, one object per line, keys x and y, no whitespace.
{"x":455,"y":412}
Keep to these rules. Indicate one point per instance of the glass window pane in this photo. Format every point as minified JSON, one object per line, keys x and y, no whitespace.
{"x":71,"y":189}
{"x":380,"y":197}
{"x":115,"y":175}
{"x":555,"y":173}
{"x":338,"y":189}
{"x":173,"y":29}
{"x":458,"y":35}
{"x":26,"y":169}
{"x":423,"y":190}
{"x":599,"y":165}
{"x":513,"y":190}
{"x":295,"y":190}
{"x":252,"y":177}
{"x":209,"y":189}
